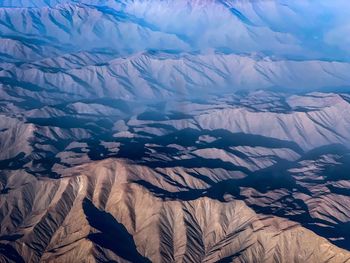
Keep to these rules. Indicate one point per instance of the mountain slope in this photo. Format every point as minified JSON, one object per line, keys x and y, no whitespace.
{"x":174,"y":131}
{"x":98,"y":215}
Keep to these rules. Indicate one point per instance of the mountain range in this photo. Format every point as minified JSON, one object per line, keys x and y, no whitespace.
{"x":174,"y":131}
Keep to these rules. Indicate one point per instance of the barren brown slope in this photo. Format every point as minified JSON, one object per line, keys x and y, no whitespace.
{"x":98,"y":214}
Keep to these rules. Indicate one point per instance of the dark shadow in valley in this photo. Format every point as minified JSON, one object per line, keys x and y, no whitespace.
{"x":276,"y":177}
{"x":111,"y":234}
{"x":10,"y":253}
{"x":68,"y":122}
{"x":12,"y":237}
{"x":134,"y":148}
{"x":14,"y":163}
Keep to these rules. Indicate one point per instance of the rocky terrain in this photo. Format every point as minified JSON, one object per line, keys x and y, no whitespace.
{"x":174,"y":131}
